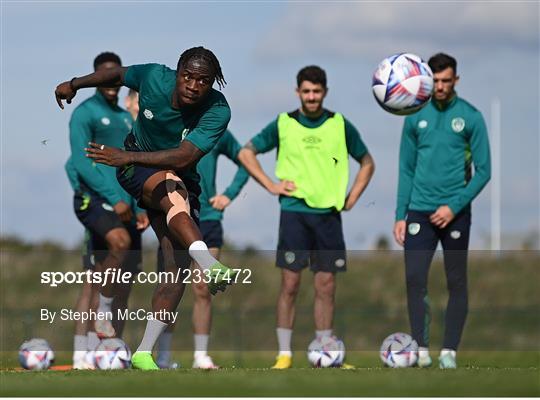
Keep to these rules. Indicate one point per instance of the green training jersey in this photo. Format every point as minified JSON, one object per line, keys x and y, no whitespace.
{"x":159,"y":126}
{"x":207,"y":166}
{"x":98,"y":121}
{"x":438,"y":148}
{"x":268,"y":139}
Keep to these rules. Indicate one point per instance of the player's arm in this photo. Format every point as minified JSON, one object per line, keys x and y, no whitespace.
{"x":363,"y":177}
{"x":231,"y":149}
{"x":407,"y":167}
{"x":265,"y":141}
{"x":106,"y":77}
{"x":200,"y":141}
{"x":358,"y":150}
{"x":80,"y":131}
{"x":482,"y":166}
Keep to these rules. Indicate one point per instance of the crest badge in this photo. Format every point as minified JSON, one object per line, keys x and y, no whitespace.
{"x":458,"y":124}
{"x":414,"y":228}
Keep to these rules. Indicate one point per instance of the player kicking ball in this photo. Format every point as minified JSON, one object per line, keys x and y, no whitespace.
{"x":181,"y":118}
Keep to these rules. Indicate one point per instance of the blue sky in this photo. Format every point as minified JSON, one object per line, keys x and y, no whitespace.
{"x":261,"y":46}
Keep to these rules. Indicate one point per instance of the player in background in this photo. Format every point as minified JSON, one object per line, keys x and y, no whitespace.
{"x":112,"y":220}
{"x":212,"y":208}
{"x":181,"y":118}
{"x":436,"y":186}
{"x":314,"y":145}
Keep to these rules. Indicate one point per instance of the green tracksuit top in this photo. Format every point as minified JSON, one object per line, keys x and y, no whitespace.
{"x":97,"y":121}
{"x":206,"y":168}
{"x":161,"y":127}
{"x":438,"y":148}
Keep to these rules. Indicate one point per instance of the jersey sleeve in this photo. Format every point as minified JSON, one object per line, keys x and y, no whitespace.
{"x":230,"y":147}
{"x":479,"y":145}
{"x":407,"y":167}
{"x":136,"y":74}
{"x":355,"y":145}
{"x":267,"y":139}
{"x":80,"y":133}
{"x":210,"y":128}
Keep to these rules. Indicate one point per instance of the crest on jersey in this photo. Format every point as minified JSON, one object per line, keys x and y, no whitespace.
{"x":414,"y":228}
{"x":455,"y":235}
{"x":148,"y":114}
{"x":422,"y":124}
{"x":105,"y":121}
{"x":107,"y":207}
{"x":184,"y":133}
{"x":458,"y":124}
{"x":289,"y":257}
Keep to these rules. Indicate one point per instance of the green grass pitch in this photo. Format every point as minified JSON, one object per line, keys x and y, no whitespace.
{"x":479,"y":374}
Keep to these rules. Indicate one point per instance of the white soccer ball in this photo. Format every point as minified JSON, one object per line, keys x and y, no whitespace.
{"x":112,"y":353}
{"x":402,"y":84}
{"x":36,"y":354}
{"x":399,"y":350}
{"x":326,"y":352}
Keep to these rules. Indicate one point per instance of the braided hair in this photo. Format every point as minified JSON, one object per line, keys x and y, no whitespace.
{"x":206,"y":56}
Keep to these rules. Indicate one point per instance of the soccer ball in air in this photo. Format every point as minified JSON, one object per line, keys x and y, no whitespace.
{"x":402,"y":84}
{"x":326,"y":351}
{"x":36,"y":354}
{"x":112,"y":353}
{"x":399,"y":350}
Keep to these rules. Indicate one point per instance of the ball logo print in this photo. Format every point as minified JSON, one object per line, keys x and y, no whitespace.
{"x":105,"y":121}
{"x":402,"y":84}
{"x":399,"y":350}
{"x":422,"y":124}
{"x":36,"y":354}
{"x":326,"y":352}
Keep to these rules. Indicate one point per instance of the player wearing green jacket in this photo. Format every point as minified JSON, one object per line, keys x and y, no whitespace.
{"x":439,"y":146}
{"x":314,"y":145}
{"x":111,"y":217}
{"x":212,"y":208}
{"x":181,"y":118}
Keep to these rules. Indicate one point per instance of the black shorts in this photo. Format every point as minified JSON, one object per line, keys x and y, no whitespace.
{"x":314,"y":239}
{"x":95,"y":213}
{"x":132,"y":178}
{"x":95,"y":250}
{"x":212,"y":233}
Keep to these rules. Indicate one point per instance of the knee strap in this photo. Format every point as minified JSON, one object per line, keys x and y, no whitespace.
{"x":179,"y":204}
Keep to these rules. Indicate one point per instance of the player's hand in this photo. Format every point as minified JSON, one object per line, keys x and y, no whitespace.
{"x":220,"y":202}
{"x":108,"y":155}
{"x":64,"y":91}
{"x":399,"y":232}
{"x":442,"y":217}
{"x":349,"y":202}
{"x":284,"y":188}
{"x":142,"y":221}
{"x":123,"y":210}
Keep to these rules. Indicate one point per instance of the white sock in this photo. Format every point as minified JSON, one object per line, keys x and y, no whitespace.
{"x":284,"y":336}
{"x":423,"y":352}
{"x":93,"y":340}
{"x":323,"y":333}
{"x":448,"y":351}
{"x":164,"y":349}
{"x":199,"y":252}
{"x":201,"y":345}
{"x":105,"y":303}
{"x":154,"y":328}
{"x":80,"y":343}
